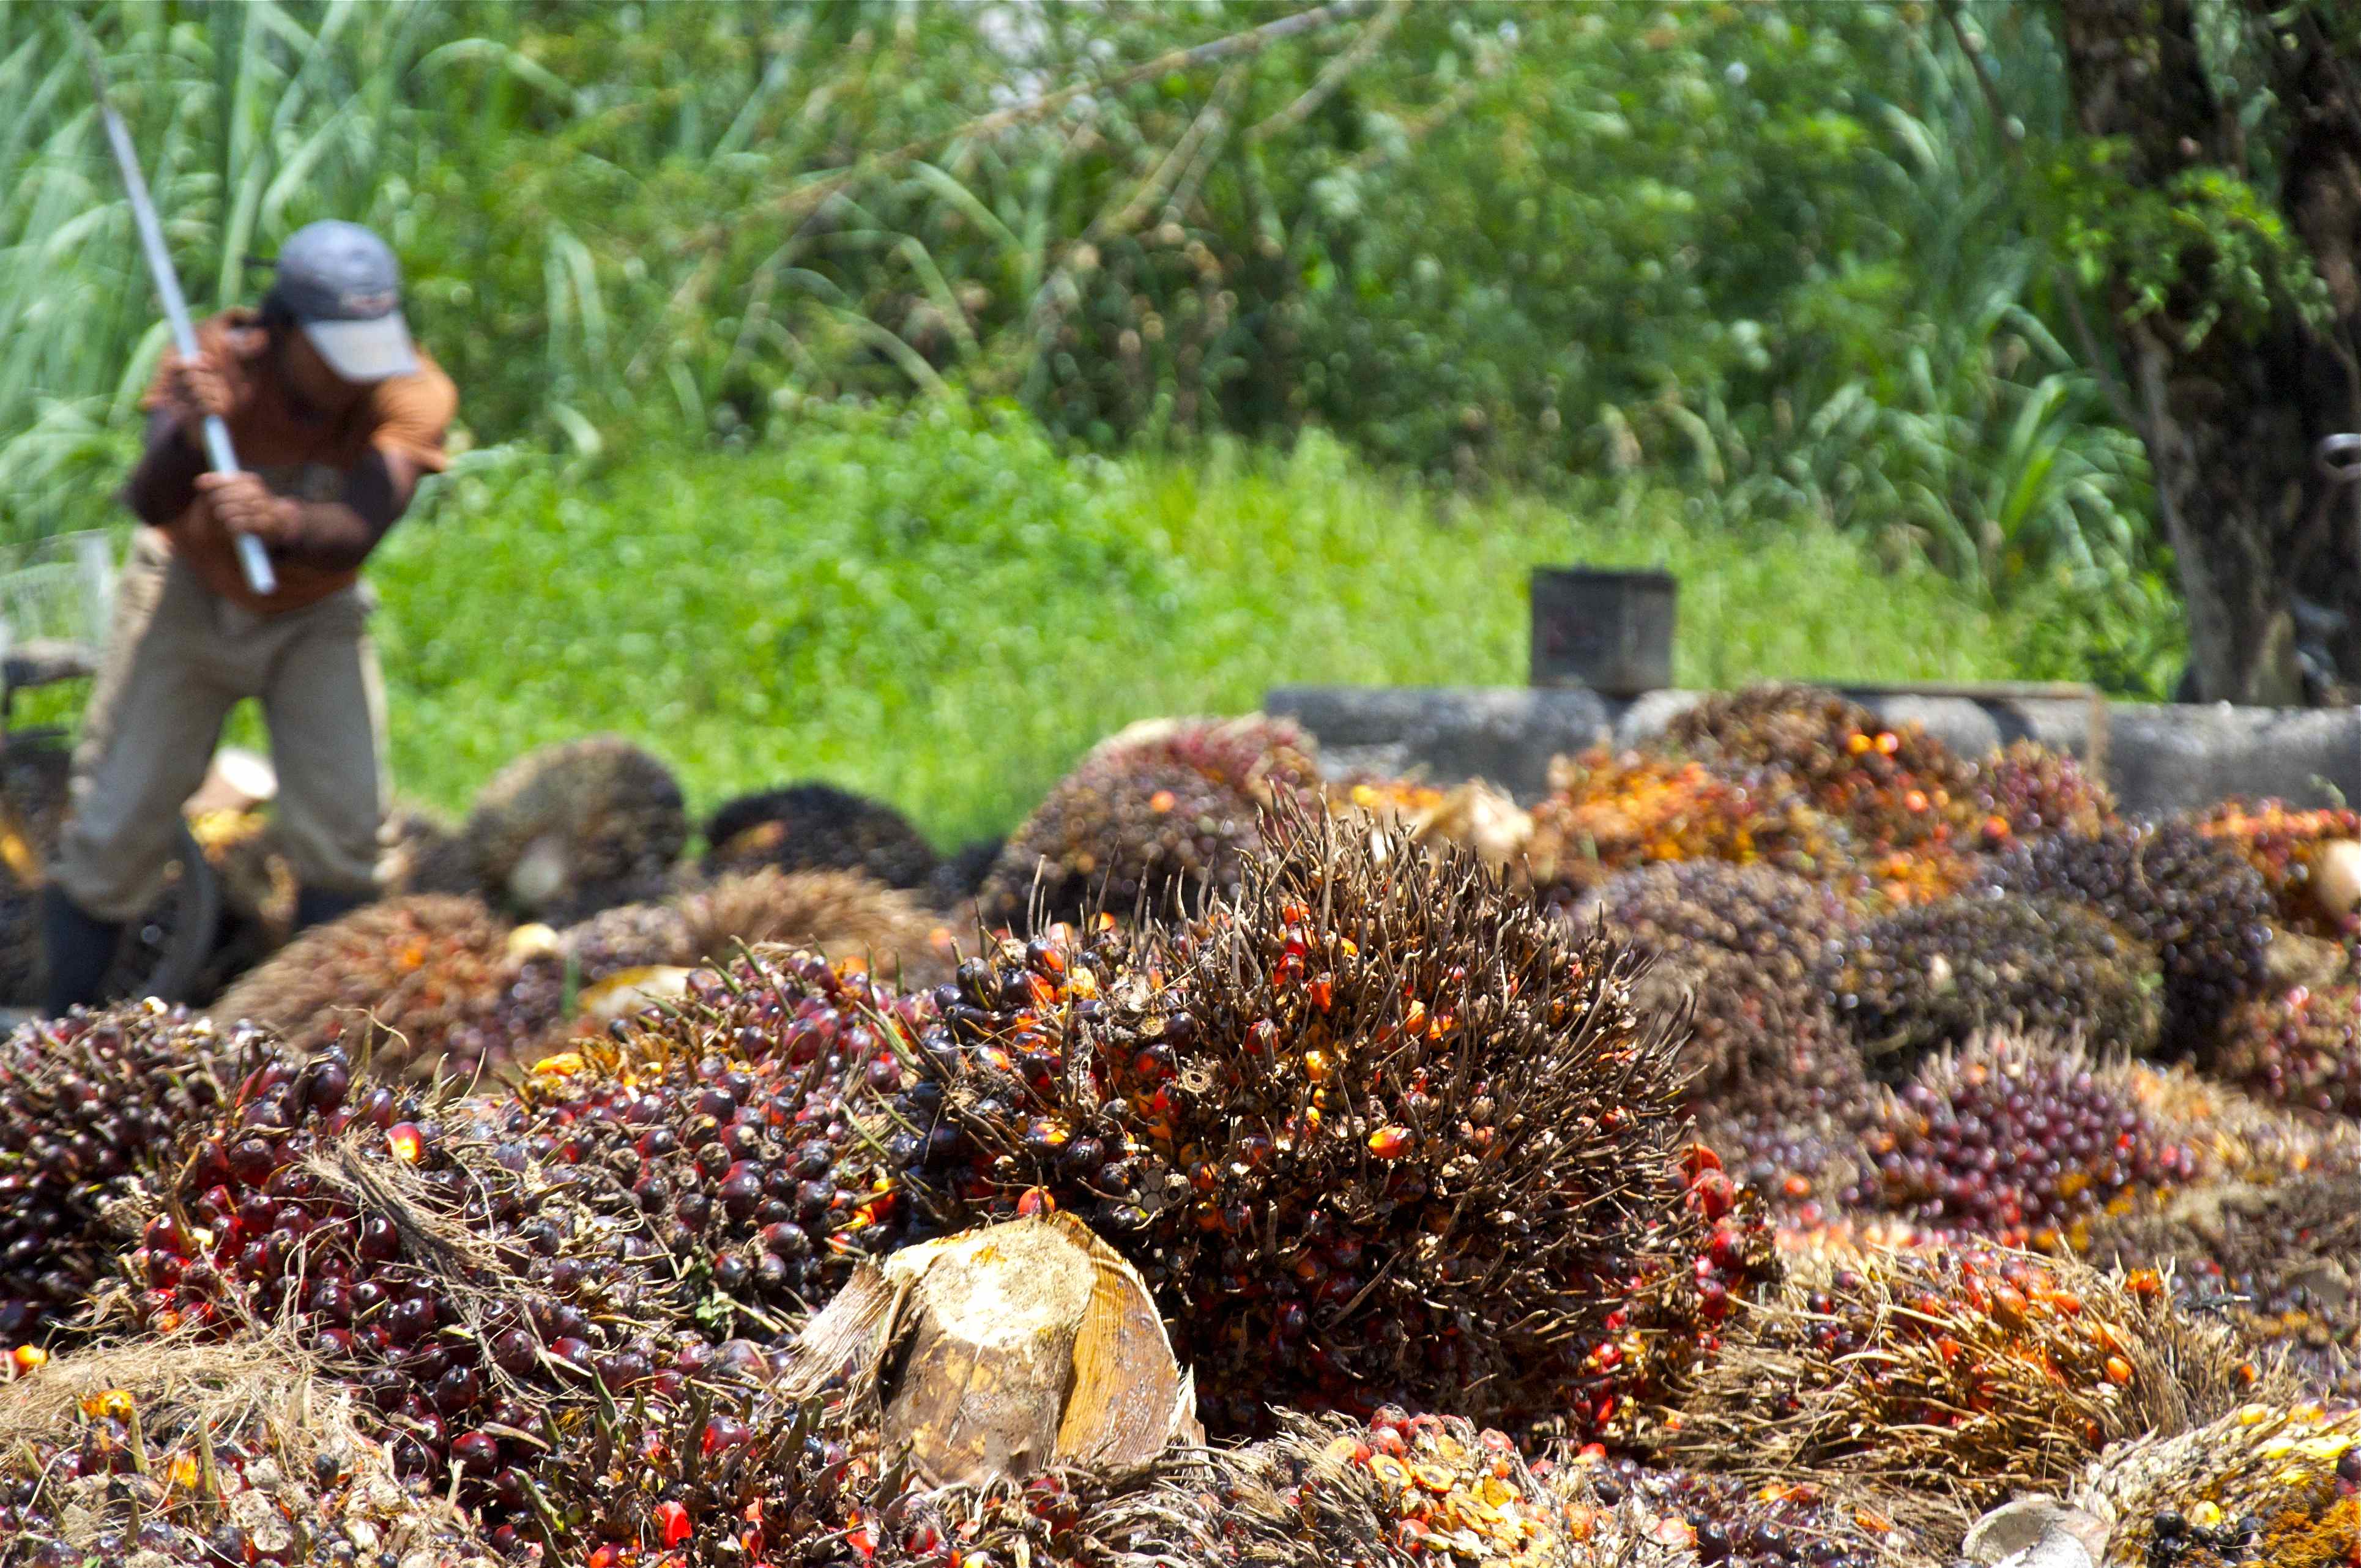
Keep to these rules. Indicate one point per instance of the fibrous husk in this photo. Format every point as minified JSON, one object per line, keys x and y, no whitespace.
{"x":186,"y":1452}
{"x":2189,"y":897}
{"x":1919,"y":980}
{"x":90,"y":1105}
{"x":2281,"y":1263}
{"x":1473,"y":815}
{"x":838,"y":914}
{"x":566,"y":830}
{"x":2267,"y":1482}
{"x":1375,"y":1128}
{"x":814,"y":827}
{"x":420,"y":985}
{"x":1005,"y":1352}
{"x":1968,"y":1374}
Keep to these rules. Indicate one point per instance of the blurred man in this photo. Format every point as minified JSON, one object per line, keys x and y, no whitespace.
{"x":337,"y":416}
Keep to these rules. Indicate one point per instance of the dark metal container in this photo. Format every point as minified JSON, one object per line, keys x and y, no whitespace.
{"x":1611,"y":631}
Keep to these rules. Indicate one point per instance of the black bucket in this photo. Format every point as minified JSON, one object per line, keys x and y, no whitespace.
{"x":1611,"y":631}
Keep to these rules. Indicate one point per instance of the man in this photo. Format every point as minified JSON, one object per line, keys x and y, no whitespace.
{"x":337,"y":416}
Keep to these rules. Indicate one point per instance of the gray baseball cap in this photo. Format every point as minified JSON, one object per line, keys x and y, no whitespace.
{"x":343,"y":286}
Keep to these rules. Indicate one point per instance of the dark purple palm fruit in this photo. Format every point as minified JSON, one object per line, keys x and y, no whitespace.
{"x":2191,"y":898}
{"x":90,"y":1105}
{"x":436,"y":1253}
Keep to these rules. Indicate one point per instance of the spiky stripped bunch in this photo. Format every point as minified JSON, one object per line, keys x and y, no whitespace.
{"x":427,"y":984}
{"x":1607,"y":812}
{"x":2299,"y":1048}
{"x":1374,"y":1129}
{"x":817,"y":827}
{"x":2269,"y":1482}
{"x":88,"y":1104}
{"x":1968,"y":1374}
{"x":206,"y":1453}
{"x":2284,"y":846}
{"x":1892,"y":786}
{"x":2191,"y":898}
{"x":1922,"y":979}
{"x":570,"y":829}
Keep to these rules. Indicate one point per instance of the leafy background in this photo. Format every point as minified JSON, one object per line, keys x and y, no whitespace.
{"x":909,"y":394}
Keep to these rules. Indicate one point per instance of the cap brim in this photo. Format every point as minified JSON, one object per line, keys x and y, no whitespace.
{"x":365,"y":351}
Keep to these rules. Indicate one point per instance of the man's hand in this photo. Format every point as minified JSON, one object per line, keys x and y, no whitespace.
{"x":245,"y":506}
{"x":206,"y":384}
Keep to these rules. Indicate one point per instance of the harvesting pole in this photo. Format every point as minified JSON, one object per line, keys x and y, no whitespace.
{"x":252,"y":559}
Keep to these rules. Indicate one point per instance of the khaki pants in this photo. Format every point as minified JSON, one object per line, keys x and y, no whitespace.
{"x":178,"y":660}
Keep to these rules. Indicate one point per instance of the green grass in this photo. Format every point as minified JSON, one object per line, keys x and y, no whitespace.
{"x":938,"y":608}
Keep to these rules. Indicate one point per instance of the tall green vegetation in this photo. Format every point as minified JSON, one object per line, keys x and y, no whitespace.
{"x":1770,"y":255}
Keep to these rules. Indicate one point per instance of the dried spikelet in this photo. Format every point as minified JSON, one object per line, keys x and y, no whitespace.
{"x":566,"y":830}
{"x":814,"y":826}
{"x":2269,"y":1482}
{"x":840,"y":915}
{"x":1965,"y":1375}
{"x":422,"y":984}
{"x":1376,"y":1128}
{"x":191,"y":1451}
{"x":1917,"y":981}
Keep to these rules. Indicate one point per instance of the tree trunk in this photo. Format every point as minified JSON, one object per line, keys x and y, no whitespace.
{"x":2232,"y":423}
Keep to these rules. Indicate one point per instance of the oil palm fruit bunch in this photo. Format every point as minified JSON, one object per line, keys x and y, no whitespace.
{"x":1271,"y":760}
{"x":420,"y":852}
{"x":2300,"y":856}
{"x":1954,"y":1151}
{"x":628,"y":936}
{"x":1962,"y":1373}
{"x":2029,"y":789}
{"x":1891,"y":786}
{"x":1919,"y":980}
{"x":1748,"y":943}
{"x":570,"y":829}
{"x":1121,"y":835}
{"x":1774,"y":1084}
{"x":2269,"y":1482}
{"x":2300,"y":1047}
{"x":442,"y":1257}
{"x":424,"y":984}
{"x":1608,"y":813}
{"x":238,"y":1452}
{"x":2281,"y":1263}
{"x":814,"y":827}
{"x":2191,"y":898}
{"x":1375,"y":1128}
{"x":840,"y":914}
{"x":89,"y":1103}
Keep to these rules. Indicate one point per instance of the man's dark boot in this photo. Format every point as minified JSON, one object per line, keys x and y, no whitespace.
{"x":78,"y":949}
{"x":318,"y":905}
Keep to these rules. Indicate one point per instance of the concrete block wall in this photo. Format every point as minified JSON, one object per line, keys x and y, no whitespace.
{"x":2157,"y":757}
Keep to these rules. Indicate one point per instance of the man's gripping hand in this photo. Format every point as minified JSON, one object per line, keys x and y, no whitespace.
{"x":209,"y":383}
{"x":246,"y":505}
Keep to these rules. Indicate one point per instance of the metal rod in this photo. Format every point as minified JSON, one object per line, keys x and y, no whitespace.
{"x":252,"y":559}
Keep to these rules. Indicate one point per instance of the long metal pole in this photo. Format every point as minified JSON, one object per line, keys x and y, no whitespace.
{"x":251,"y":557}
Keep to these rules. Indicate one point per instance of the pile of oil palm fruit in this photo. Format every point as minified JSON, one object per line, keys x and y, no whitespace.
{"x":1791,"y":1143}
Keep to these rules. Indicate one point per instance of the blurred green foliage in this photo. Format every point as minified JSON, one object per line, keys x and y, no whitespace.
{"x":1772,"y":256}
{"x":937,"y":606}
